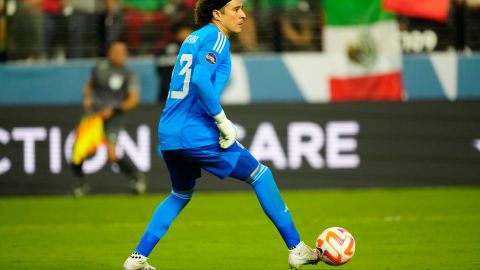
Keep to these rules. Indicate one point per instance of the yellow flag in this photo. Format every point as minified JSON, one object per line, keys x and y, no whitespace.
{"x":90,"y":135}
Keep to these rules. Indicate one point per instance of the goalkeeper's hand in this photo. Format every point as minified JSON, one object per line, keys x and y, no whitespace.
{"x":228,"y":132}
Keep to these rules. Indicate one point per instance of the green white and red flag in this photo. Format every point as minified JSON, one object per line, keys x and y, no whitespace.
{"x":362,"y":41}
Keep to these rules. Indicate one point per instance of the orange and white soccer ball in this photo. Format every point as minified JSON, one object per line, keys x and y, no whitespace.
{"x":336,"y":246}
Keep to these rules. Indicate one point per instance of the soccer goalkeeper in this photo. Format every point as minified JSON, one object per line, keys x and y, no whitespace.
{"x":195,"y":134}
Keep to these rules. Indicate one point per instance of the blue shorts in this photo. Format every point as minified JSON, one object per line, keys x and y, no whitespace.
{"x":184,"y":165}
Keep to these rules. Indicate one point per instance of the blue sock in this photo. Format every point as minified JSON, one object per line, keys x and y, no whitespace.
{"x":272,"y":203}
{"x":164,"y":215}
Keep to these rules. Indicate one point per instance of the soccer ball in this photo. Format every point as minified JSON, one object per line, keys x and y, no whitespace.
{"x":336,"y":246}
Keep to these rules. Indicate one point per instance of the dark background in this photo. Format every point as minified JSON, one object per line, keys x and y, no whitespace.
{"x":399,"y":144}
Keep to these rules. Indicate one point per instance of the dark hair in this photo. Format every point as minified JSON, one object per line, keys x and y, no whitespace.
{"x":204,"y":10}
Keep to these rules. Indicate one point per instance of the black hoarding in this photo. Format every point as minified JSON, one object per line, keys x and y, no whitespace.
{"x":307,"y":146}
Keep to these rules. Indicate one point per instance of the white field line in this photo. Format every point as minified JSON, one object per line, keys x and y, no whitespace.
{"x":246,"y":222}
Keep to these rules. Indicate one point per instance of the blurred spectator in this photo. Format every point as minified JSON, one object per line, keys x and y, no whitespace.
{"x":26,"y":31}
{"x":472,"y":25}
{"x":179,"y":11}
{"x":3,"y":34}
{"x":167,"y":57}
{"x":189,"y":3}
{"x":181,"y":17}
{"x":101,"y":17}
{"x":54,"y":20}
{"x":290,"y":23}
{"x":142,"y":13}
{"x":473,"y":4}
{"x":37,"y":29}
{"x":113,"y":24}
{"x":248,"y":37}
{"x":459,"y":13}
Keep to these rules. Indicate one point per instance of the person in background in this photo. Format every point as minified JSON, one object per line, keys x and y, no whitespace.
{"x":26,"y":31}
{"x":3,"y":31}
{"x":248,"y":37}
{"x":139,"y":14}
{"x":289,"y":23}
{"x":472,"y":25}
{"x":102,"y":17}
{"x":112,"y":90}
{"x":167,"y":55}
{"x":54,"y":20}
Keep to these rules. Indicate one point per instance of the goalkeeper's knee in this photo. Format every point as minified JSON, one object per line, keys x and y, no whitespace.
{"x":259,"y":173}
{"x":186,"y":196}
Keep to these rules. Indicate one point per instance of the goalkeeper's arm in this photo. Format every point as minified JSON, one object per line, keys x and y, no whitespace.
{"x":228,"y":133}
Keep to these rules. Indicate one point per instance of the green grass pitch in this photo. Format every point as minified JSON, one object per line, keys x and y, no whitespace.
{"x":425,"y":228}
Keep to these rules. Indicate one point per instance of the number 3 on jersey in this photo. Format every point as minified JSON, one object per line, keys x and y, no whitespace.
{"x":186,"y":63}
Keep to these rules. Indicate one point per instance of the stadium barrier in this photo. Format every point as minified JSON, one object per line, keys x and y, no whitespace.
{"x":307,"y":146}
{"x":295,"y":77}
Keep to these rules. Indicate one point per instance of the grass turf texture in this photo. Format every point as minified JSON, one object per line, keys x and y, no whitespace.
{"x":436,"y":228}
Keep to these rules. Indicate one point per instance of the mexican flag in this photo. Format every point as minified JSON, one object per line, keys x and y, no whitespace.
{"x":362,"y":42}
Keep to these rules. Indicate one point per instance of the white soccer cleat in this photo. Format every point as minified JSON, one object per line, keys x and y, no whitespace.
{"x":302,"y":255}
{"x":137,"y":262}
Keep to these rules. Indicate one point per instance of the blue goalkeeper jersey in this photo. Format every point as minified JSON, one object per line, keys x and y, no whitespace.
{"x":201,"y":72}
